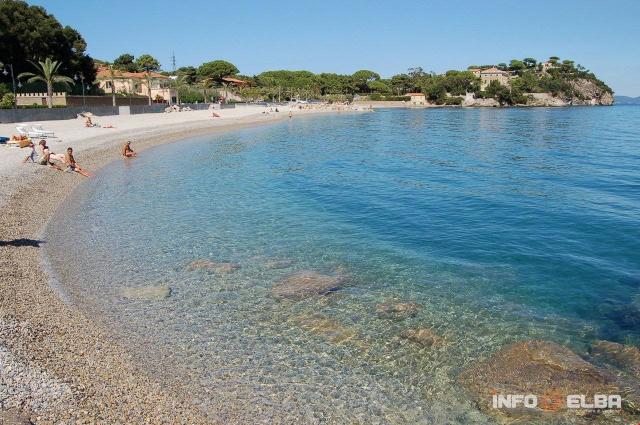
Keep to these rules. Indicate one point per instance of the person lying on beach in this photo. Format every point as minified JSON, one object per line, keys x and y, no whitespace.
{"x":72,"y":165}
{"x":46,"y":156}
{"x":127,"y":151}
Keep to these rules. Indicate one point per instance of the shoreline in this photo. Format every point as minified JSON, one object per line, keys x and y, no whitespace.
{"x":76,"y":372}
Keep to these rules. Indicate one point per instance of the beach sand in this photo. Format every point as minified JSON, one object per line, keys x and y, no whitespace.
{"x":56,"y":364}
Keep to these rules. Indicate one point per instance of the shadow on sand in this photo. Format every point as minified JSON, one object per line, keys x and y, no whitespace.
{"x":22,"y":243}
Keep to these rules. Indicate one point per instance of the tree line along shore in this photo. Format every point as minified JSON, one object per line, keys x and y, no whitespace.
{"x":31,"y":35}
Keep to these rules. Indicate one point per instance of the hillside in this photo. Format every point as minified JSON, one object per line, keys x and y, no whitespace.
{"x":627,"y":100}
{"x":525,"y":83}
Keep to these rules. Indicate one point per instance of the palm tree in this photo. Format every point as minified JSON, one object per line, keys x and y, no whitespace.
{"x":47,"y":73}
{"x":112,"y":77}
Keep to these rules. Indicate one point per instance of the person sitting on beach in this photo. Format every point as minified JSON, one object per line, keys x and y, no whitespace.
{"x":88,"y":122}
{"x":72,"y":165}
{"x":214,"y":115}
{"x":127,"y":151}
{"x":46,"y":156}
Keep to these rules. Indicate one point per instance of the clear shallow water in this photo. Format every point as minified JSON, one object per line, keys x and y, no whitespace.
{"x":502,"y":224}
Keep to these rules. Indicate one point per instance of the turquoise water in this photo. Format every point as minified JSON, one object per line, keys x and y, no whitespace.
{"x":502,"y":224}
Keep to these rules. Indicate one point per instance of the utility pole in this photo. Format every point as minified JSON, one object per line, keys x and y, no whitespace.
{"x":173,"y":61}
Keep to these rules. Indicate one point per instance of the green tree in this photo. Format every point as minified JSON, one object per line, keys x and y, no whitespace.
{"x":216,"y":70}
{"x":530,"y":62}
{"x":30,"y":33}
{"x":147,"y":64}
{"x":125,"y":62}
{"x":379,"y":86}
{"x":401,"y":84}
{"x":47,"y":72}
{"x":362,"y":79}
{"x":516,"y":65}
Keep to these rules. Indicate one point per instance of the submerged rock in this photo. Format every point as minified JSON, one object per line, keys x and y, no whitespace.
{"x":422,"y":336}
{"x":623,"y":356}
{"x":326,"y":328}
{"x":208,"y":265}
{"x":626,"y":317}
{"x":542,"y":368}
{"x":147,"y":293}
{"x":397,"y":310}
{"x":306,"y":284}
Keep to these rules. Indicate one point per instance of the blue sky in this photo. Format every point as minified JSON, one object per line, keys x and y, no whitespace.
{"x":384,"y":36}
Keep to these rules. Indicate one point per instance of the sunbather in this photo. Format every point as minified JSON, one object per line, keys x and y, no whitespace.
{"x":46,"y":157}
{"x":127,"y":151}
{"x":72,"y":165}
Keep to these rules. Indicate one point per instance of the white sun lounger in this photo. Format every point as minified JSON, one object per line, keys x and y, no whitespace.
{"x":23,"y":131}
{"x":37,"y":128}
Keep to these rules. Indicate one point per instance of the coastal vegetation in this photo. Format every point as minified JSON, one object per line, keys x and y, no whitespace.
{"x":29,"y":33}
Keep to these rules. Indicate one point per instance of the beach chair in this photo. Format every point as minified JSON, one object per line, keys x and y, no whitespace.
{"x":23,"y":131}
{"x":37,"y":128}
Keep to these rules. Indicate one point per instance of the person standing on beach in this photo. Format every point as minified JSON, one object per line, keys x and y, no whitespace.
{"x":72,"y":165}
{"x":127,"y":151}
{"x":33,"y":156}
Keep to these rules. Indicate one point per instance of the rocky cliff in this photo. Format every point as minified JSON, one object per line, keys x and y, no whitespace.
{"x":585,"y":92}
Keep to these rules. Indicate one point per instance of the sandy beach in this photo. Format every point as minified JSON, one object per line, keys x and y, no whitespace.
{"x":59,"y":365}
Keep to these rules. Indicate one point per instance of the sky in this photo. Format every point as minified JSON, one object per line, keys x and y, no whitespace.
{"x":344,"y":36}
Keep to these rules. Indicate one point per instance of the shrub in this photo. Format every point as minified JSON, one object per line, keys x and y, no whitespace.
{"x":7,"y":101}
{"x":455,"y":100}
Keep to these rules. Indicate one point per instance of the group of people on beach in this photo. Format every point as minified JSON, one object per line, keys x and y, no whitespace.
{"x":67,"y":160}
{"x":47,"y":157}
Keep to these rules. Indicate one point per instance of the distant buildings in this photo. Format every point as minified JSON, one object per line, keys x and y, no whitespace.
{"x":493,"y":74}
{"x":417,"y":99}
{"x":135,"y":83}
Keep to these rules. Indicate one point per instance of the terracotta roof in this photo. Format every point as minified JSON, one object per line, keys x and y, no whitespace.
{"x":493,"y":70}
{"x":414,"y":94}
{"x":234,"y":80}
{"x":105,"y":74}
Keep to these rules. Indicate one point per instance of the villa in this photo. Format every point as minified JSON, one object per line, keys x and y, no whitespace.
{"x":493,"y":74}
{"x":135,"y":83}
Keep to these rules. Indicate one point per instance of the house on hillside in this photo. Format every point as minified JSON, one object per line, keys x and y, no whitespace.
{"x":493,"y":74}
{"x":230,"y":85}
{"x":547,"y":65}
{"x":476,"y":71}
{"x":135,"y":83}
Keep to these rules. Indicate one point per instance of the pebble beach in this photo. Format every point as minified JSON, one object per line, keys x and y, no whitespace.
{"x":58,"y":365}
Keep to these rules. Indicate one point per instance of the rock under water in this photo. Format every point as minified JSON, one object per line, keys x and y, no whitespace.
{"x":327,"y":328}
{"x":422,"y":336}
{"x":306,"y":284}
{"x":208,"y":265}
{"x":148,"y":293}
{"x":397,"y":310}
{"x":623,"y":356}
{"x":542,"y":368}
